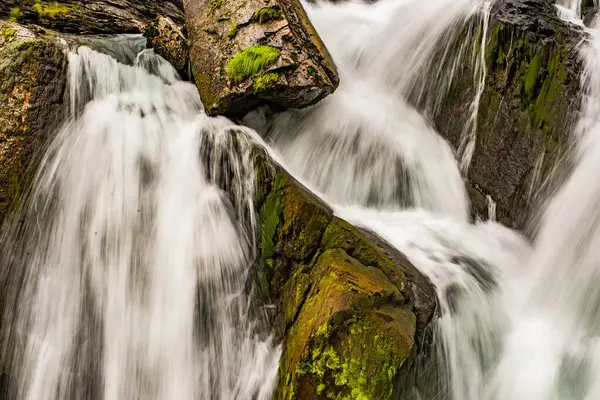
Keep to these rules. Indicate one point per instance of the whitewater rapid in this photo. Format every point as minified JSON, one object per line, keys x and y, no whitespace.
{"x":130,"y":260}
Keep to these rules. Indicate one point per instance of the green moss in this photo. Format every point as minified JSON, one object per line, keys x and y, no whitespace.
{"x":265,"y":81}
{"x":271,"y":214}
{"x":251,"y":61}
{"x":9,"y":32}
{"x":215,"y":4}
{"x":531,"y":79}
{"x":15,"y":13}
{"x":52,"y":10}
{"x":312,"y":71}
{"x":267,"y":14}
{"x":361,"y":365}
{"x":233,"y":30}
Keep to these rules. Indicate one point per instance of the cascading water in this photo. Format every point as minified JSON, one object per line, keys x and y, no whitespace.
{"x":128,"y":261}
{"x":129,"y":266}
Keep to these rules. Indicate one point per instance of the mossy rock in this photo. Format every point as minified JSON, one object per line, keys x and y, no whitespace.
{"x":528,"y":108}
{"x":32,"y":81}
{"x":352,"y":312}
{"x":167,"y":40}
{"x":247,"y":53}
{"x":91,"y":16}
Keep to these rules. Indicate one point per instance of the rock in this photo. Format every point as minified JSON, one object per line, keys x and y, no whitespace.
{"x":92,"y":16}
{"x":32,"y":82}
{"x":247,"y":53}
{"x":167,"y":40}
{"x":528,"y":108}
{"x":355,"y":316}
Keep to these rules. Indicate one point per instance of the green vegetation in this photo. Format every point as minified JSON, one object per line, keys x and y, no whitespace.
{"x":267,"y":14}
{"x":49,"y":10}
{"x":312,"y":71}
{"x":15,"y":13}
{"x":215,"y":4}
{"x":265,"y":81}
{"x":251,"y":61}
{"x":233,"y":30}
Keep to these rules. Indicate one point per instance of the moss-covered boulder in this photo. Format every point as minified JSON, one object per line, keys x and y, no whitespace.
{"x":528,"y":107}
{"x":32,"y":80}
{"x":91,"y":16}
{"x":167,"y":40}
{"x":247,"y":53}
{"x":354,"y":315}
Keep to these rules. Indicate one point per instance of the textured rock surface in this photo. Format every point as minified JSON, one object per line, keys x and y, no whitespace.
{"x":246,"y":53}
{"x":353,"y":313}
{"x":92,"y":16}
{"x":167,"y":40}
{"x":527,"y":110}
{"x":32,"y":80}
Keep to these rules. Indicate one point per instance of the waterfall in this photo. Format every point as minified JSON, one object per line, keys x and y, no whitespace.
{"x":129,"y":265}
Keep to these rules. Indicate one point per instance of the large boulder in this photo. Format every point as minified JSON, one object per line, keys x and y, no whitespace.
{"x":528,"y":107}
{"x":247,"y":53}
{"x":354,"y":315}
{"x":32,"y":82}
{"x":91,"y":16}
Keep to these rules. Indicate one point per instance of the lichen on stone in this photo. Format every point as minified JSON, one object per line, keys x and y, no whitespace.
{"x":251,"y":61}
{"x":215,"y":4}
{"x":233,"y":29}
{"x":49,"y":10}
{"x":267,"y":14}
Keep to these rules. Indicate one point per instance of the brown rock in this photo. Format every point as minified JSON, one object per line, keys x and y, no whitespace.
{"x":246,"y":53}
{"x":167,"y":40}
{"x":32,"y":81}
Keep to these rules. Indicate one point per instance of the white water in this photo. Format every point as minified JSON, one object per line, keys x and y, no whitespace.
{"x":134,"y":259}
{"x":130,"y":239}
{"x":519,"y":320}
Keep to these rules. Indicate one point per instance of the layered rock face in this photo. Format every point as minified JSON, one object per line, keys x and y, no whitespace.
{"x":528,"y":108}
{"x":91,"y":16}
{"x":32,"y":81}
{"x":247,"y":53}
{"x":355,"y":315}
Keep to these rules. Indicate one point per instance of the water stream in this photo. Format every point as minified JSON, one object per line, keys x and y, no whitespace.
{"x":128,"y":260}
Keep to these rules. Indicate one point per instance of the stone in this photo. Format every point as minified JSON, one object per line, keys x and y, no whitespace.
{"x":527,"y":111}
{"x":91,"y":16}
{"x":354,"y":315}
{"x":167,"y":40}
{"x":32,"y":83}
{"x":247,"y":53}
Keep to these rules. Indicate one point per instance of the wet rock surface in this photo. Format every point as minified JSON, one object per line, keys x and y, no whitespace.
{"x":168,"y":41}
{"x":355,"y":316}
{"x":244,"y":54}
{"x":91,"y":16}
{"x":528,"y":108}
{"x":32,"y":82}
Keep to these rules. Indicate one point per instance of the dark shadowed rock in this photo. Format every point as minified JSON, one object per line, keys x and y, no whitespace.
{"x":167,"y":40}
{"x":247,"y":53}
{"x":92,"y":16}
{"x":528,"y":108}
{"x":32,"y":81}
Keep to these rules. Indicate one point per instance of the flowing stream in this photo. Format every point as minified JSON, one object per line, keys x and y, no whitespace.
{"x":128,"y":260}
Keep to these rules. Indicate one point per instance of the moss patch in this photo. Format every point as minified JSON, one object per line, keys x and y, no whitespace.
{"x":267,"y":14}
{"x":215,"y":4}
{"x":265,"y":81}
{"x":15,"y":13}
{"x":250,"y":62}
{"x":49,"y":10}
{"x":233,"y":30}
